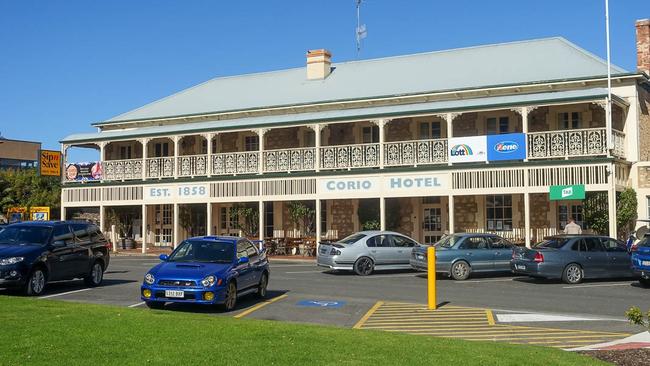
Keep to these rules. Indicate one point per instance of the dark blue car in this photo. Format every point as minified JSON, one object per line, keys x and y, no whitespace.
{"x":641,"y":260}
{"x":207,"y":270}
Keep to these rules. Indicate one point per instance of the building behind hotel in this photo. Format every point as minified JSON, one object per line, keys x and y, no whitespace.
{"x":469,"y":139}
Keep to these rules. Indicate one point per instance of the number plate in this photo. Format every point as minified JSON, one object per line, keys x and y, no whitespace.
{"x":520,"y":267}
{"x":174,"y":294}
{"x":645,"y":263}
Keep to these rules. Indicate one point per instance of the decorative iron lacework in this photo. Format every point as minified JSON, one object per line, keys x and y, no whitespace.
{"x":290,"y":160}
{"x":350,"y":156}
{"x":567,"y":143}
{"x":415,"y":152}
{"x":235,"y":163}
{"x":122,"y":169}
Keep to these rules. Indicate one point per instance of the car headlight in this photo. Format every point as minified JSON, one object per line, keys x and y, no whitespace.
{"x":149,"y":279}
{"x":10,"y":261}
{"x":208,"y":281}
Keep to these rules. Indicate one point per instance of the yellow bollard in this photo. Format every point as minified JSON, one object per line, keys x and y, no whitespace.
{"x":431,"y":278}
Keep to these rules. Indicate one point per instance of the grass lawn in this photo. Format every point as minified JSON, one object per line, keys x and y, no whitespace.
{"x":48,"y":332}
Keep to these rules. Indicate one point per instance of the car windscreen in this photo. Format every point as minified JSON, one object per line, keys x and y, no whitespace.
{"x":25,"y":235}
{"x":555,"y":243}
{"x":203,"y":251}
{"x":644,"y":243}
{"x":448,"y":242}
{"x":352,"y":239}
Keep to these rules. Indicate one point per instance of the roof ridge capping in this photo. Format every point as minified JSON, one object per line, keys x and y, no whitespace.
{"x":119,"y":118}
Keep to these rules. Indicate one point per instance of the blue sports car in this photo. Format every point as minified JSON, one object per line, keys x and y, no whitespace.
{"x":641,"y":260}
{"x":207,"y":270}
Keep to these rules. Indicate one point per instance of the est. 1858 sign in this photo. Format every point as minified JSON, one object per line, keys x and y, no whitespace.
{"x":184,"y":191}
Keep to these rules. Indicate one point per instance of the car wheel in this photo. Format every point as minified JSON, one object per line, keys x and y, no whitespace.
{"x":572,"y":274}
{"x":96,"y":275}
{"x":261,"y":287}
{"x":364,"y":266}
{"x":460,"y":271}
{"x":645,"y":282}
{"x":231,"y":297}
{"x":35,"y":283}
{"x":155,"y":305}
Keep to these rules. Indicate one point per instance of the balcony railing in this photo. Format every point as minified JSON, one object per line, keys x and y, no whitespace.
{"x":419,"y":152}
{"x":349,"y":156}
{"x":290,"y":160}
{"x":122,"y":169}
{"x":160,"y":167}
{"x":235,"y":163}
{"x":192,"y":165}
{"x":567,"y":143}
{"x":541,"y":145}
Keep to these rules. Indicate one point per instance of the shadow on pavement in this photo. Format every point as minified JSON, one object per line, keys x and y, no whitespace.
{"x":242,"y":303}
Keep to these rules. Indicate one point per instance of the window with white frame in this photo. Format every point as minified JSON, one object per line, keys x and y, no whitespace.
{"x":568,"y":211}
{"x":430,"y":130}
{"x":125,"y":152}
{"x":498,"y":212}
{"x":497,"y":126}
{"x":569,"y":120}
{"x":370,"y":134}
{"x":251,"y":143}
{"x":161,"y":149}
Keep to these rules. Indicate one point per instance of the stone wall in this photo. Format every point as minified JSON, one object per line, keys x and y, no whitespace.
{"x":537,"y":120}
{"x":403,"y":222}
{"x":644,"y":177}
{"x":644,"y":124}
{"x":539,"y":207}
{"x":465,"y":213}
{"x":228,"y":142}
{"x":341,"y":134}
{"x":399,"y":130}
{"x":282,"y":138}
{"x":342,"y":217}
{"x":465,"y":125}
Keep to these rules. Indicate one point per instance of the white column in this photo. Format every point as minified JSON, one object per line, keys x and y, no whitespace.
{"x":208,"y":136}
{"x":62,"y":212}
{"x":102,"y":145}
{"x":260,"y":162}
{"x":524,"y":129}
{"x":209,"y":219}
{"x":450,"y":132}
{"x":317,"y":133}
{"x":176,"y":154}
{"x":382,"y":213}
{"x":145,"y":143}
{"x":450,"y":200}
{"x":64,"y":163}
{"x":381,"y":123}
{"x":318,"y":223}
{"x":175,"y":225}
{"x":261,"y":222}
{"x":144,"y":229}
{"x":527,"y":237}
{"x":611,"y":202}
{"x":102,"y":218}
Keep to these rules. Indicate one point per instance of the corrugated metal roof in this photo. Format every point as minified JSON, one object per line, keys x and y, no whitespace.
{"x":499,"y":64}
{"x":343,"y":114}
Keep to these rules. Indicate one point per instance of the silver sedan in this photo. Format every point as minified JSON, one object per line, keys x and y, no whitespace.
{"x":366,"y":251}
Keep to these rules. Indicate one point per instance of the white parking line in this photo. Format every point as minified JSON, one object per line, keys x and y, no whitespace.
{"x":65,"y":293}
{"x":599,"y":285}
{"x":136,"y":305}
{"x":291,"y":265}
{"x":305,"y":272}
{"x":479,"y":281}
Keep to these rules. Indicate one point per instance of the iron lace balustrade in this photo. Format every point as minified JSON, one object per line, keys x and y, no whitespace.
{"x":192,"y":165}
{"x":160,"y":167}
{"x":350,"y":156}
{"x":567,"y":143}
{"x":417,"y":152}
{"x":125,"y":169}
{"x":289,"y":160}
{"x":235,"y":163}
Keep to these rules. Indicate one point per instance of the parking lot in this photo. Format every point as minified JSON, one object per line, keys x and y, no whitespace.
{"x":301,"y":292}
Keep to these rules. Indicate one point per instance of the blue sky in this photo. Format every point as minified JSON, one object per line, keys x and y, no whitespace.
{"x":67,"y":64}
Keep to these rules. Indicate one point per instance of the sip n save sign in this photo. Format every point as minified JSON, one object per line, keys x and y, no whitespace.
{"x":572,"y":192}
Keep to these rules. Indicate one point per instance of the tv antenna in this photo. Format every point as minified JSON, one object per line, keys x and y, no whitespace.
{"x":361,"y":31}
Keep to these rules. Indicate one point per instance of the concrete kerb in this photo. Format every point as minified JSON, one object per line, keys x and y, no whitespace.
{"x":637,"y":341}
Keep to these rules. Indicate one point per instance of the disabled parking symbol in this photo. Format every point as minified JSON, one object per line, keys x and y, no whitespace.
{"x":321,"y":303}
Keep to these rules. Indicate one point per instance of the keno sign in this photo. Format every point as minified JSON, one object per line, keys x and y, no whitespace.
{"x":468,"y":149}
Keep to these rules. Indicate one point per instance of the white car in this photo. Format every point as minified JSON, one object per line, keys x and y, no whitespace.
{"x":367,"y":251}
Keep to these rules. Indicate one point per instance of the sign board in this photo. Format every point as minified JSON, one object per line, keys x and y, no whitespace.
{"x":398,"y":185}
{"x":510,"y":146}
{"x":573,"y":192}
{"x":321,"y":303}
{"x":182,"y":191}
{"x":49,"y":163}
{"x":468,"y":149}
{"x":16,"y":214}
{"x":39,"y":213}
{"x":84,"y":171}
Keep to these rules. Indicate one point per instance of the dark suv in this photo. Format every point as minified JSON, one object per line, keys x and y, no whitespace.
{"x":36,"y":252}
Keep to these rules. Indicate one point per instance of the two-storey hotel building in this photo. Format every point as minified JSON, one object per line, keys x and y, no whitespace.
{"x":470,"y":139}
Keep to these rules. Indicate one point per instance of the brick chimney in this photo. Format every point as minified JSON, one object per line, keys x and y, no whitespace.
{"x":318,"y":64}
{"x":643,"y":45}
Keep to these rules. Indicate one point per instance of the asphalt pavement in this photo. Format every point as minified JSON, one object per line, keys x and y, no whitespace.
{"x":302,"y":292}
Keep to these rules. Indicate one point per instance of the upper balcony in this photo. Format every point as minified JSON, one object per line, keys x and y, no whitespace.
{"x":551,"y":133}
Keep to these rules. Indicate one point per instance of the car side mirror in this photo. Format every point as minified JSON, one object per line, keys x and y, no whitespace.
{"x":243,"y":260}
{"x":164,"y":257}
{"x":58,"y":244}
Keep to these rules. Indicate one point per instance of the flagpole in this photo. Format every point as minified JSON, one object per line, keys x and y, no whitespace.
{"x":608,"y":116}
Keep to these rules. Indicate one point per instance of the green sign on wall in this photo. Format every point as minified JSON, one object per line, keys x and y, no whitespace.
{"x":574,"y":192}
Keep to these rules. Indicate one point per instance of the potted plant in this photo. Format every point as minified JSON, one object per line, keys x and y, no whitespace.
{"x":123,"y":220}
{"x":247,"y":219}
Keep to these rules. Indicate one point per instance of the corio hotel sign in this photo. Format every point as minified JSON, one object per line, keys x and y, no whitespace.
{"x":403,"y":185}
